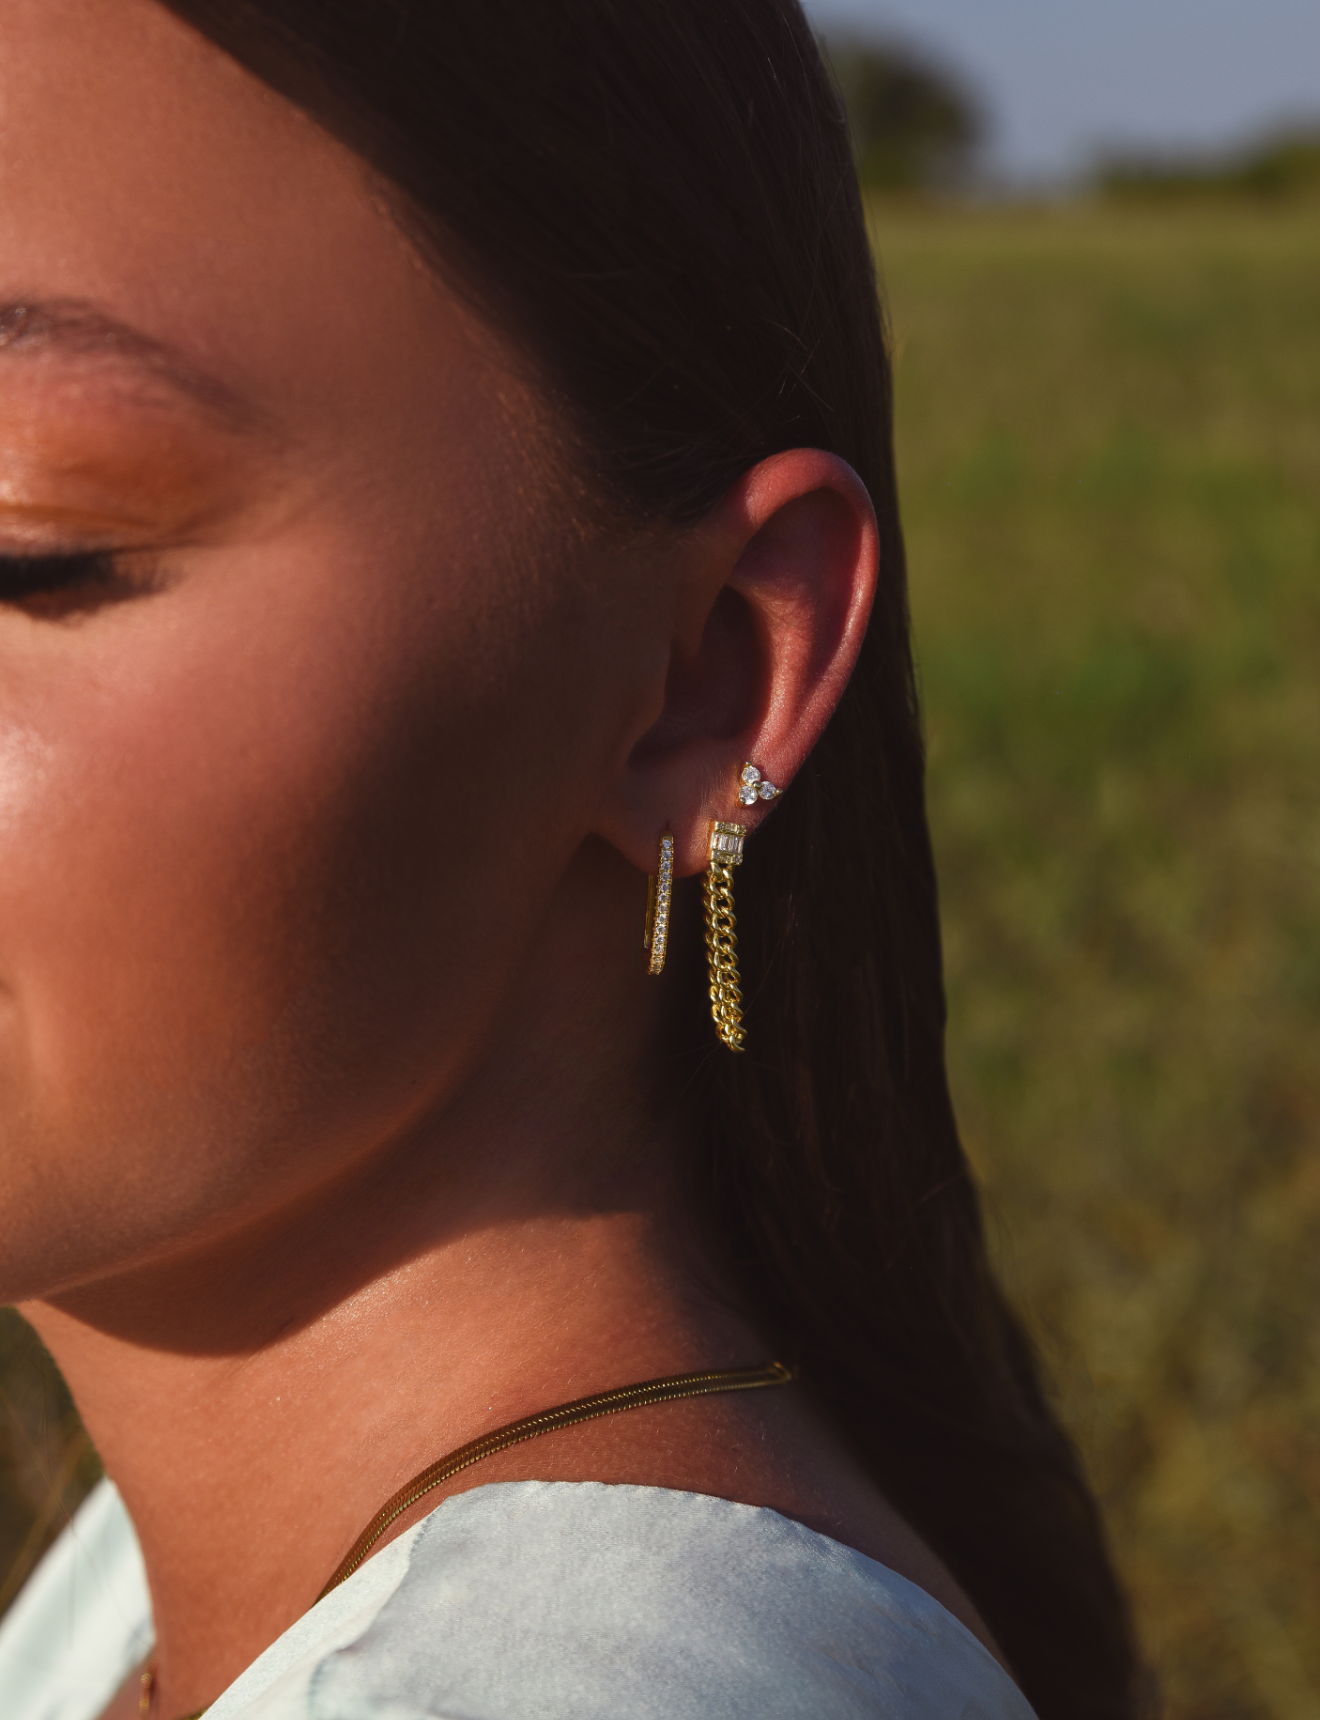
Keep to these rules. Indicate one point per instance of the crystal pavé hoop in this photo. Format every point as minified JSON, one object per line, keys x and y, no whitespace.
{"x":659,"y":890}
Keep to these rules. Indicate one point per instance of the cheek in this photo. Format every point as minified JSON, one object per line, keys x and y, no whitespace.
{"x":255,"y":850}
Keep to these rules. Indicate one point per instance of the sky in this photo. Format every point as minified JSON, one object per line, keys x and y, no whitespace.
{"x":1066,"y":79}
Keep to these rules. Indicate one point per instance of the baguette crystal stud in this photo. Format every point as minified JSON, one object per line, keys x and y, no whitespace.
{"x":726,"y":843}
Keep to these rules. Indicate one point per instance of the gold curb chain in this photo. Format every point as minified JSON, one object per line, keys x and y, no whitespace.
{"x":722,"y":953}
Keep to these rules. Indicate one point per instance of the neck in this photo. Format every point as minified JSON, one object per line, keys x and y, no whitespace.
{"x":257,"y":1398}
{"x":249,"y":1469}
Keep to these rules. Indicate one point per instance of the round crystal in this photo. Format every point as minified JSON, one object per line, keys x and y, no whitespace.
{"x":747,"y":794}
{"x":767,"y":791}
{"x":750,"y":773}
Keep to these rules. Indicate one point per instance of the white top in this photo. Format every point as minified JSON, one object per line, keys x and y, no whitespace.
{"x":538,"y":1600}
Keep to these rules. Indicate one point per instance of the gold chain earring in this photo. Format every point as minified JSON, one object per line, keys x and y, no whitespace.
{"x":726,"y":852}
{"x":659,"y":890}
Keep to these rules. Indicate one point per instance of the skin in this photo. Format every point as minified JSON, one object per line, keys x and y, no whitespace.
{"x":335,"y":1114}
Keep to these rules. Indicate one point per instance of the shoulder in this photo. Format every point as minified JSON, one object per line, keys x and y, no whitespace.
{"x":580,"y":1601}
{"x":81,"y":1622}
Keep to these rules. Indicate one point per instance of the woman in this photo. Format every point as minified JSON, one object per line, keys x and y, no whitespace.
{"x":443,"y":445}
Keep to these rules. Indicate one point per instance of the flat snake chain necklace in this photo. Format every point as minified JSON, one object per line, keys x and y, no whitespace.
{"x":530,"y":1427}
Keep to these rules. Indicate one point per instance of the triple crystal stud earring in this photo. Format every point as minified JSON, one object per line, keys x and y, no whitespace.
{"x":659,"y":889}
{"x":753,"y":786}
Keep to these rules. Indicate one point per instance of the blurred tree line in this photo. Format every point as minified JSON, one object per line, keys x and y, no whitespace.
{"x":1283,"y":164}
{"x":915,"y":125}
{"x":917,"y":128}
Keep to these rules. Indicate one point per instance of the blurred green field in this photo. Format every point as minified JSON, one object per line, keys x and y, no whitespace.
{"x":1109,"y":442}
{"x":1109,"y":434}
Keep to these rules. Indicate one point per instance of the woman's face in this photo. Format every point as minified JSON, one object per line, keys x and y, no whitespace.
{"x":282,"y":786}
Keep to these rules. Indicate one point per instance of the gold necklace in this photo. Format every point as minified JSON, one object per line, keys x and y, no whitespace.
{"x":666,"y":1390}
{"x":147,"y":1699}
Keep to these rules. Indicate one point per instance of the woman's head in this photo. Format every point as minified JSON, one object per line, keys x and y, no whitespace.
{"x":290,"y":784}
{"x":490,"y":402}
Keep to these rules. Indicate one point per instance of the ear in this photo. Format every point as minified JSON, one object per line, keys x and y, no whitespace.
{"x":771,"y":597}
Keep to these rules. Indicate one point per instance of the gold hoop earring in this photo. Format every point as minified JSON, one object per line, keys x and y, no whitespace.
{"x":659,"y":889}
{"x":726,"y":852}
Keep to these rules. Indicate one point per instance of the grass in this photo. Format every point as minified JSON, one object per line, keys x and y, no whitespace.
{"x":1109,"y":435}
{"x":1109,"y":444}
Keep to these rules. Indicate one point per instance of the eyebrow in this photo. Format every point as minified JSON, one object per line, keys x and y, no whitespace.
{"x":79,"y":330}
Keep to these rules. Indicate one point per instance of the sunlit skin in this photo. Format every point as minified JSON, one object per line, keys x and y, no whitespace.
{"x":335,"y":1125}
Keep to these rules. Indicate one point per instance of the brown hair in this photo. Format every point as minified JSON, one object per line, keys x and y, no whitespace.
{"x":658,"y":198}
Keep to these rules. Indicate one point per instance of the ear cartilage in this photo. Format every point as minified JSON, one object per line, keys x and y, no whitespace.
{"x":752,"y":786}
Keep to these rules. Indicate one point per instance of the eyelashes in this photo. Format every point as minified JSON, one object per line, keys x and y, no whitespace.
{"x":62,"y":584}
{"x":39,"y":575}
